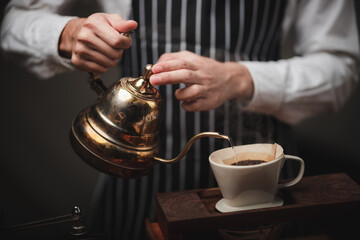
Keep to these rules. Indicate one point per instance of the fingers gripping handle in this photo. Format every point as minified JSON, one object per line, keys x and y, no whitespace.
{"x":94,"y":79}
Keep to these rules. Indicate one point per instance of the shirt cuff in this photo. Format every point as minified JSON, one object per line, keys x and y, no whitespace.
{"x":269,"y":85}
{"x":60,"y":64}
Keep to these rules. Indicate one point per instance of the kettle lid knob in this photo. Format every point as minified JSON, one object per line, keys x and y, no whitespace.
{"x":147,"y":72}
{"x":141,"y":86}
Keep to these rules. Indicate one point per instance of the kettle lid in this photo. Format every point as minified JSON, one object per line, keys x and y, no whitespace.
{"x":141,"y":86}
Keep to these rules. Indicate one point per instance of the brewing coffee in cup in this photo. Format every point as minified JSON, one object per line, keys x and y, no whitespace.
{"x":249,"y":178}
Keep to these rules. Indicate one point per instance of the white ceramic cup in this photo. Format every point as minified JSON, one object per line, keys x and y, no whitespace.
{"x":251,"y":186}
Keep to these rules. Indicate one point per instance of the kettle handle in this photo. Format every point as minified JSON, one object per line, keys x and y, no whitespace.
{"x":94,"y":79}
{"x":96,"y":84}
{"x":189,"y":144}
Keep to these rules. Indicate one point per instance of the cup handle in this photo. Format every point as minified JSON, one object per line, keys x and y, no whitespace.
{"x":299,"y":176}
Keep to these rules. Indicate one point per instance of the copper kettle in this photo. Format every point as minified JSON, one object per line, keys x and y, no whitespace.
{"x":119,"y":133}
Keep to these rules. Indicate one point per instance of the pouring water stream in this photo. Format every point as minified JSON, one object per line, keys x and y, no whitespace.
{"x":233,"y":148}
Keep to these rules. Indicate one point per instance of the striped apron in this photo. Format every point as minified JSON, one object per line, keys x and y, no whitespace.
{"x":225,"y":30}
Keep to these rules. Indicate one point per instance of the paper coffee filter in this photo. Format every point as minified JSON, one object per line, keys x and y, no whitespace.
{"x":261,"y":151}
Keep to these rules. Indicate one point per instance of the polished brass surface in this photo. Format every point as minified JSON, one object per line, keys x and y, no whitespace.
{"x":119,"y":133}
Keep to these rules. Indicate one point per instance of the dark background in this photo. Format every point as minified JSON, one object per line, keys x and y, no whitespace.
{"x":41,"y":176}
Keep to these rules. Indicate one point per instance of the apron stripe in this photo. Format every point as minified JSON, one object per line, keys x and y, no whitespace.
{"x":142,"y":203}
{"x":143,"y":43}
{"x":169,"y":98}
{"x":183,"y":46}
{"x":197,"y":115}
{"x":130,"y":209}
{"x":250,"y":41}
{"x":238,"y":55}
{"x":272,"y":28}
{"x":262,"y":32}
{"x":227,"y":58}
{"x":145,"y":60}
{"x":213,"y":56}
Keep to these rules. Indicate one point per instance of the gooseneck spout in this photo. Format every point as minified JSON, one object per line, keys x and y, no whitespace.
{"x":190,"y":143}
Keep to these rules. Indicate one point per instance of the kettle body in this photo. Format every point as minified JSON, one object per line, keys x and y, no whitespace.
{"x":119,"y":133}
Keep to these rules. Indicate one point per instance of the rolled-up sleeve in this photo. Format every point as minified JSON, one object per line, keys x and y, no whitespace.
{"x":324,"y":70}
{"x":30,"y":34}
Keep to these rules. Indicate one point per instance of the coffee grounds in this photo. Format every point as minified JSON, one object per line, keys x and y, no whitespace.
{"x":247,"y":162}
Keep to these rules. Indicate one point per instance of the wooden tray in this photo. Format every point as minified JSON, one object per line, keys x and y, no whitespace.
{"x":315,"y":196}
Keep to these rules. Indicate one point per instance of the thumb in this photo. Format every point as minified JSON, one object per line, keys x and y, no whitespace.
{"x":121,"y":25}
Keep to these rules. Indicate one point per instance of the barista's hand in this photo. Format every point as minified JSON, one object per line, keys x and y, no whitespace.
{"x":209,"y":83}
{"x":95,"y":43}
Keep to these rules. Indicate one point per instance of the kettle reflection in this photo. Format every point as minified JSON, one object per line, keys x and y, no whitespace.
{"x":119,"y":134}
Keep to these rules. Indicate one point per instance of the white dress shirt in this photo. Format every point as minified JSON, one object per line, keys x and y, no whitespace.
{"x":318,"y":73}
